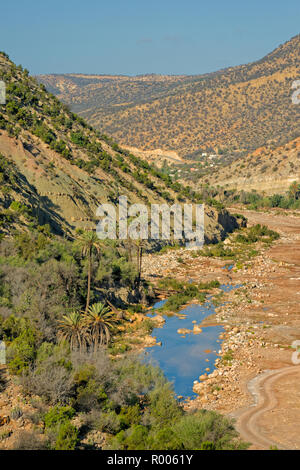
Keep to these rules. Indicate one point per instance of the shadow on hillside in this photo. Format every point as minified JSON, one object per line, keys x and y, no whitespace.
{"x":3,"y":380}
{"x":42,"y":207}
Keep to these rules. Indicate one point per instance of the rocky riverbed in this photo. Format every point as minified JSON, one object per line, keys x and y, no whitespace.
{"x":261,"y":318}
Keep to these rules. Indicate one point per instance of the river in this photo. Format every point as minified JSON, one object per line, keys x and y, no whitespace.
{"x":183,"y":358}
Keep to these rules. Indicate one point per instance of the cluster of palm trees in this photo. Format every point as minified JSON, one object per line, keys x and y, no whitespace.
{"x":87,"y":330}
{"x":92,"y":328}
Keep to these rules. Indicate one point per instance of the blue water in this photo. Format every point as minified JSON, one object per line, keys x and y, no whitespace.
{"x":183,"y":359}
{"x":228,"y":267}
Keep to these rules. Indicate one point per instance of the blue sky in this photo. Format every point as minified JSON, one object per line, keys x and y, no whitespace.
{"x":146,"y":36}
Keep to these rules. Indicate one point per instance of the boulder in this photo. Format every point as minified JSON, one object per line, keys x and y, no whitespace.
{"x":183,"y":331}
{"x":197,"y":329}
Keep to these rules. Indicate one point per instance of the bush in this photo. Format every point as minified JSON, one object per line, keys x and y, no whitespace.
{"x":67,"y":437}
{"x":206,"y":430}
{"x":257,"y":233}
{"x":108,"y":422}
{"x":58,"y":415}
{"x":27,"y":440}
{"x":16,"y":413}
{"x":53,"y":382}
{"x":21,"y":353}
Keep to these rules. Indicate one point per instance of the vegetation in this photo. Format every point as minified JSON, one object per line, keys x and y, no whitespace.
{"x":254,"y":200}
{"x":244,"y":245}
{"x":88,"y":243}
{"x":185,"y":292}
{"x":60,"y":355}
{"x":99,"y":322}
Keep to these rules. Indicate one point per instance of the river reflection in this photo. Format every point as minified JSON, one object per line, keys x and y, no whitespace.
{"x":184,"y":359}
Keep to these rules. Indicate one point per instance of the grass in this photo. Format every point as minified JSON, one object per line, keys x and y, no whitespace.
{"x":186,"y":292}
{"x":243,"y":245}
{"x":227,"y":357}
{"x":218,"y":299}
{"x":176,"y":301}
{"x":257,"y":233}
{"x":173,"y":284}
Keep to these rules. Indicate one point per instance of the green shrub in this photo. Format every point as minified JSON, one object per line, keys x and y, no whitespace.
{"x":58,"y":415}
{"x":22,"y":352}
{"x":67,"y":437}
{"x":206,"y":430}
{"x":16,"y":412}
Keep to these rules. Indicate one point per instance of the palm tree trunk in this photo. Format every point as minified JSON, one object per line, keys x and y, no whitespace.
{"x":139,"y":263}
{"x":140,"y":267}
{"x":89,"y":281}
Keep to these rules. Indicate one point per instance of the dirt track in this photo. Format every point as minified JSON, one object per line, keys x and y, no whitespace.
{"x":265,"y":400}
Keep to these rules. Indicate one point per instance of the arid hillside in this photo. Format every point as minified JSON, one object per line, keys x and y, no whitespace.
{"x":265,"y":170}
{"x":57,"y":168}
{"x":238,"y":108}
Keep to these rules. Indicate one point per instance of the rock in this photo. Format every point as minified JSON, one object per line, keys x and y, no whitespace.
{"x":197,"y":329}
{"x":4,"y":420}
{"x":149,"y":341}
{"x":183,"y":331}
{"x":159,"y":319}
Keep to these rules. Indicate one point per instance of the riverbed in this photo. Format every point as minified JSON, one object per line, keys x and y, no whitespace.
{"x":183,"y":358}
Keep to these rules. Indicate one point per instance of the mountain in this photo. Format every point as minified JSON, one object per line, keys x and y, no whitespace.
{"x":56,"y":169}
{"x":237,"y":109}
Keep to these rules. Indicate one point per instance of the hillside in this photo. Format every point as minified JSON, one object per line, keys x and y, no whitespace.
{"x":264,"y":170}
{"x":238,"y":108}
{"x":59,"y":169}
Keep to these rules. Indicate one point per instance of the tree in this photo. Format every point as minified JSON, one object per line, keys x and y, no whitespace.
{"x":139,"y":258}
{"x":99,"y":322}
{"x":71,"y":329}
{"x":294,"y":190}
{"x":88,"y":243}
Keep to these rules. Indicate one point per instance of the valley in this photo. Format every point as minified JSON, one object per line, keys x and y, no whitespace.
{"x":126,"y":344}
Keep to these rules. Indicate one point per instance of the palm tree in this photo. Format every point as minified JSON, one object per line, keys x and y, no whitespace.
{"x":71,"y":329}
{"x":88,"y":243}
{"x":139,"y":257}
{"x":99,"y":322}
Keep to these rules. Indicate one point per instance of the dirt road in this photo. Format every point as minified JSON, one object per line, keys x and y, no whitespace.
{"x":263,"y":391}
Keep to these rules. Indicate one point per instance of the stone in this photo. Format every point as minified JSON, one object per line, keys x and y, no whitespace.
{"x":183,"y":331}
{"x":158,"y":319}
{"x":197,"y":329}
{"x":4,"y":420}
